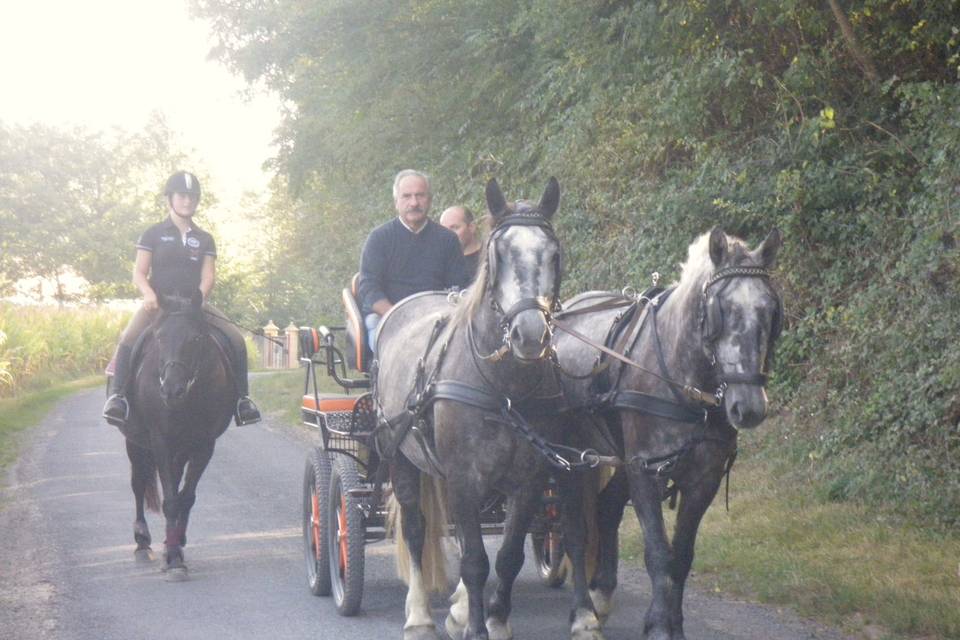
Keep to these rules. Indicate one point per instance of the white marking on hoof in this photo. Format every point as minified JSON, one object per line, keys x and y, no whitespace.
{"x":425,"y":632}
{"x":585,"y":626}
{"x":417,"y":605}
{"x":602,"y":603}
{"x":453,"y":628}
{"x":499,"y":630}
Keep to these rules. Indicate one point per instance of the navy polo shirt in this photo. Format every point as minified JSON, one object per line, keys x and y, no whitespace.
{"x":177,"y":260}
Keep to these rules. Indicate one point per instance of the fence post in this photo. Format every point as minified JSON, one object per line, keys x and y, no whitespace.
{"x":269,"y":353}
{"x":293,"y":346}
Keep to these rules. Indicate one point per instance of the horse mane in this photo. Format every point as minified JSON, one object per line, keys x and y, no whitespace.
{"x":699,"y":266}
{"x":473,"y":297}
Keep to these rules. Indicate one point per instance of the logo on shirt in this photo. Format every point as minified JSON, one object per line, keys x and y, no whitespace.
{"x":167,"y":238}
{"x":193,"y":243}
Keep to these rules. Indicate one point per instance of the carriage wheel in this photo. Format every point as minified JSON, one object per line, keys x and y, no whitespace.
{"x":347,"y":535}
{"x":548,"y":544}
{"x":316,"y":494}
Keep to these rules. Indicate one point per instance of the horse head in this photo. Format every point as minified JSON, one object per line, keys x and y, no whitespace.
{"x":180,"y":333}
{"x":740,"y":320}
{"x":523,"y":269}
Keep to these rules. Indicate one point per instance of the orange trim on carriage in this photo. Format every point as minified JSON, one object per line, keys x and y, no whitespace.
{"x":329,"y":404}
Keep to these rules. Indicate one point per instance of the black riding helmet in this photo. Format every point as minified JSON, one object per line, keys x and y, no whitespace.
{"x":182,"y":182}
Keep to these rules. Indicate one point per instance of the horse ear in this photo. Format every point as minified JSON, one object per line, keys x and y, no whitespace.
{"x":496,"y":203}
{"x":550,"y":199}
{"x":718,"y":246}
{"x":767,"y":251}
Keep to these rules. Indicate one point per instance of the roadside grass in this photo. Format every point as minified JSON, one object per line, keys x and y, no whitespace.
{"x":279,"y":392}
{"x":875,"y":574}
{"x":24,"y":411}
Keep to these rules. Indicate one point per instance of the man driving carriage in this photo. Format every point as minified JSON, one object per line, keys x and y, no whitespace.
{"x":408,"y":254}
{"x":176,"y":256}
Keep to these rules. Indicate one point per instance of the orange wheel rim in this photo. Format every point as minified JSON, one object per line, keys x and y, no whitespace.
{"x":315,"y":524}
{"x":342,"y":533}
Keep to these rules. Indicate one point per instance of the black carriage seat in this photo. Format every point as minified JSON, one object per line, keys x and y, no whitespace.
{"x":358,"y":352}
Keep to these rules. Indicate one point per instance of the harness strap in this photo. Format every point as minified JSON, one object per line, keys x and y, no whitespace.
{"x":654,"y":406}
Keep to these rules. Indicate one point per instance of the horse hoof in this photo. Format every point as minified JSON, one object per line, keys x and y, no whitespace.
{"x":426,"y":632}
{"x":602,"y":604}
{"x":586,"y":626}
{"x":144,"y":556}
{"x":453,"y":628}
{"x":498,"y":630}
{"x":176,"y":574}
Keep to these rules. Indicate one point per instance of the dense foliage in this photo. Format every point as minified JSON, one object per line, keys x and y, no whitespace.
{"x":43,"y":345}
{"x":835,"y":121}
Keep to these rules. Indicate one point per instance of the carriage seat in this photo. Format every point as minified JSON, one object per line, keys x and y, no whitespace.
{"x":358,"y":352}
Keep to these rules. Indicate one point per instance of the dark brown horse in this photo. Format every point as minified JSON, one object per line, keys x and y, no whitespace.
{"x":182,"y":399}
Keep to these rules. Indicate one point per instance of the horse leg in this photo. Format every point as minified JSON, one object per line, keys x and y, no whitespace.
{"x":170,"y":474}
{"x":142,"y":478}
{"x":521,"y":508}
{"x":657,"y":555}
{"x":694,"y":502}
{"x":610,"y":505}
{"x":196,"y":465}
{"x":584,"y":623}
{"x":474,"y":564}
{"x":406,"y":489}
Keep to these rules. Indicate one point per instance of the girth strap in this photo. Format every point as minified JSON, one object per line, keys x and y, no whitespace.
{"x":654,"y":406}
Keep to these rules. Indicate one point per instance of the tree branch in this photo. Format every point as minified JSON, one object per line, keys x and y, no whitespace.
{"x":851,"y":39}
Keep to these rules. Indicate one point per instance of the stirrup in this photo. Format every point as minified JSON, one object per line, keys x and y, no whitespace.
{"x":112,"y":419}
{"x":250,"y":416}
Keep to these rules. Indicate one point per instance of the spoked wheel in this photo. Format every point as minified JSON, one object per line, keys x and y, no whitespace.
{"x":347,"y":534}
{"x":316,"y":497}
{"x":547,"y":542}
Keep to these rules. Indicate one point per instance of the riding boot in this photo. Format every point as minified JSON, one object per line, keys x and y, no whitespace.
{"x":116,"y":410}
{"x":247,"y":412}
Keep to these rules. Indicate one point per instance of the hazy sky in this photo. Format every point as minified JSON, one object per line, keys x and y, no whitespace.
{"x":100,"y":63}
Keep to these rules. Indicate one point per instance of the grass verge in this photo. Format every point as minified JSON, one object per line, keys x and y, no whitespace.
{"x":874,"y":574}
{"x":279,"y":392}
{"x":20,"y":413}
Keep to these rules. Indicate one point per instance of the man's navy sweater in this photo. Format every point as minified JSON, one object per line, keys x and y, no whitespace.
{"x":396,"y":262}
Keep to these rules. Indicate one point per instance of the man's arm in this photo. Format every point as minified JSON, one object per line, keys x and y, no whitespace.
{"x":373,"y":271}
{"x":456,"y":269}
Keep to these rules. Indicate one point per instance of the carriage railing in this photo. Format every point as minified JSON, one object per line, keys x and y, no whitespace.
{"x":331,"y":357}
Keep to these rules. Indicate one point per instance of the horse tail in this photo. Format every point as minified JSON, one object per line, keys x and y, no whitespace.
{"x":594,"y":482}
{"x":433,"y":561}
{"x":151,"y":494}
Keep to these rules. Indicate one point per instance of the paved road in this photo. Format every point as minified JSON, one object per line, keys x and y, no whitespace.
{"x":67,"y":569}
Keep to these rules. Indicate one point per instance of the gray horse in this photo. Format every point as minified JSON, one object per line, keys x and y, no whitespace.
{"x":459,"y":383}
{"x":698,"y":357}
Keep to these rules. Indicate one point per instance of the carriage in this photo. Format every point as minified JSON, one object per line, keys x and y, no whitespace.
{"x":345,"y":481}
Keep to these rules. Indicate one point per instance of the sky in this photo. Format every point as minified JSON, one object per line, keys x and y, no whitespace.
{"x":105,"y":63}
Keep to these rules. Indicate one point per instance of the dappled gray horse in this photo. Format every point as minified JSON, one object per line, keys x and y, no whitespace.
{"x":699,"y":354}
{"x":458,"y":384}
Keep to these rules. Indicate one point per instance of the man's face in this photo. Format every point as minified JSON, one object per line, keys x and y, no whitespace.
{"x":413,"y":201}
{"x":454,"y":220}
{"x":184,"y":204}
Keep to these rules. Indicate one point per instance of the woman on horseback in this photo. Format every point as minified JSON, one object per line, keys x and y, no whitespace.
{"x":176,"y":256}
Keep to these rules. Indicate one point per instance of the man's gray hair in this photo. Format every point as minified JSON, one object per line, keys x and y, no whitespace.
{"x":407,"y":173}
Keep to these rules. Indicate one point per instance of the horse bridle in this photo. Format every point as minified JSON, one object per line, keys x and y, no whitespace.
{"x":709,"y":333}
{"x":171,"y":363}
{"x":528,"y":217}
